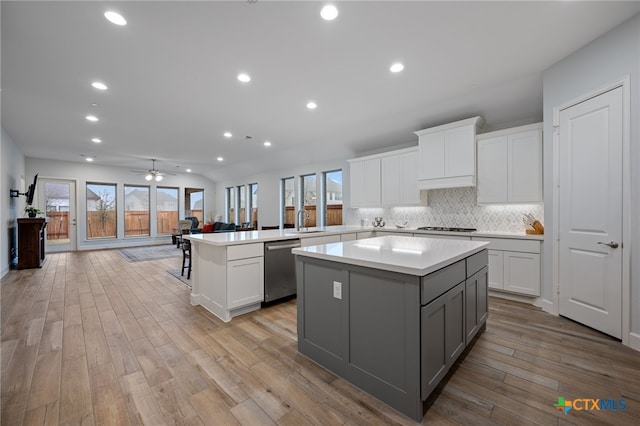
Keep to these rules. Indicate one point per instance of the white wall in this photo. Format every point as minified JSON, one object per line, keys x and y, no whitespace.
{"x":12,"y":176}
{"x":604,"y":61}
{"x":82,"y":173}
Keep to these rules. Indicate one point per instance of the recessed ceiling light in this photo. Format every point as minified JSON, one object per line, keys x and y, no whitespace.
{"x":329,"y":12}
{"x":397,"y":67}
{"x":244,"y":78}
{"x":220,"y":159}
{"x":227,"y":134}
{"x":267,"y":143}
{"x":91,"y":118}
{"x":188,"y":170}
{"x":96,"y":140}
{"x":89,"y":159}
{"x":312,"y":105}
{"x":99,"y":85}
{"x":115,"y":18}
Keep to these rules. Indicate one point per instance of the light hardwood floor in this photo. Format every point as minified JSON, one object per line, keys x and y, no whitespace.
{"x":92,"y":339}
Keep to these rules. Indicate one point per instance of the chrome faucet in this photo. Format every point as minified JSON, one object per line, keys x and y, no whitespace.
{"x":301,"y":215}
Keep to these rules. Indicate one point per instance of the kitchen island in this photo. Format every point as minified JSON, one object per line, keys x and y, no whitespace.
{"x":391,"y":314}
{"x":228,"y":274}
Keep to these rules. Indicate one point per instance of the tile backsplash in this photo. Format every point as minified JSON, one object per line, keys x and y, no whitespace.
{"x":452,"y":207}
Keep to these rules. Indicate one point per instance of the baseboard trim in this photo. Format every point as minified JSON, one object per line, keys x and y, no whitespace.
{"x":634,"y":341}
{"x":546,"y":305}
{"x":515,"y":297}
{"x":4,"y":271}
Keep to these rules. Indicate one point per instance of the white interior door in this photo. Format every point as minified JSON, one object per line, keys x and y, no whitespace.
{"x":590,"y":212}
{"x":58,"y":197}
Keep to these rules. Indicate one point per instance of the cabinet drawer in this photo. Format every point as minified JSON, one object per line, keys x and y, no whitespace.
{"x":442,"y":280}
{"x":510,"y":244}
{"x":476,"y":262}
{"x":243,"y":251}
{"x":366,"y":234}
{"x":314,"y":241}
{"x":348,"y":237}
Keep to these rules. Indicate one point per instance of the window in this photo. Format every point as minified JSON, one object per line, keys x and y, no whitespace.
{"x":194,"y":203}
{"x":136,"y":211}
{"x":253,"y":204}
{"x":101,"y":210}
{"x":308,"y":191}
{"x":288,"y":212}
{"x":242,"y":198}
{"x":231,"y":205}
{"x":332,"y":186}
{"x":166,"y":209}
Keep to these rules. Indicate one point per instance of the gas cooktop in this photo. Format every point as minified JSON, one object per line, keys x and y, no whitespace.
{"x":446,"y":228}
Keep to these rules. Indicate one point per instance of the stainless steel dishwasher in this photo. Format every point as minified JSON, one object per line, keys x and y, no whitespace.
{"x":279,"y":269}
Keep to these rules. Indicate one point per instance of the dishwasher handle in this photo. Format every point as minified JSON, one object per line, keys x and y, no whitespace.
{"x":283,"y":246}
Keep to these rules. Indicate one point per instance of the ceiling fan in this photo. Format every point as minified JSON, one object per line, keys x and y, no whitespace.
{"x":153,"y":173}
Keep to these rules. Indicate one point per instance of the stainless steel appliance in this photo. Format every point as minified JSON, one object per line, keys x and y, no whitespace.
{"x":279,"y":269}
{"x":446,"y":228}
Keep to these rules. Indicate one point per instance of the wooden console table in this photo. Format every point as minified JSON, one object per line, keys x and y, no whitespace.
{"x":31,"y":242}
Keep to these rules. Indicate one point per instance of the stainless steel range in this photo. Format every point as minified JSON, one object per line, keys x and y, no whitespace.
{"x":446,"y":228}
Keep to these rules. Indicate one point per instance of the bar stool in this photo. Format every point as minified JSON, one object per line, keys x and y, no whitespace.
{"x":186,"y":255}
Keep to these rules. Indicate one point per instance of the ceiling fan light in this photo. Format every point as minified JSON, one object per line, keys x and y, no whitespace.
{"x":158,"y":178}
{"x":148,"y":176}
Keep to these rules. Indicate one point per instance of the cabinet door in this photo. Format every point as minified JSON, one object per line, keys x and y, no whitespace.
{"x":357,"y":183}
{"x":245,"y":282}
{"x":391,"y":182}
{"x":525,"y":167}
{"x":372,"y":182}
{"x":476,"y":307}
{"x":443,"y":337}
{"x":434,"y":355}
{"x":496,"y":269}
{"x":522,"y":272}
{"x":492,"y":170}
{"x":455,"y":340}
{"x":409,"y":192}
{"x":431,"y":153}
{"x":460,"y":151}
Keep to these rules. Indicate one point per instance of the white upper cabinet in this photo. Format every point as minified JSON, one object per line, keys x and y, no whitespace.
{"x":510,"y":165}
{"x":364,"y":175}
{"x":388,"y":179}
{"x":447,"y":155}
{"x":400,"y":178}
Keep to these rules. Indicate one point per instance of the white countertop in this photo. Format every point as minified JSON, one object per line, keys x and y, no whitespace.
{"x":406,"y":255}
{"x":248,"y":237}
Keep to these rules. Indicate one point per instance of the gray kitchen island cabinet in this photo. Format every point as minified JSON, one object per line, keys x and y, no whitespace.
{"x":391,"y":314}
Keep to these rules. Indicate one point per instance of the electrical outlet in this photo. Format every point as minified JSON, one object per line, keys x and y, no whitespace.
{"x":337,"y":290}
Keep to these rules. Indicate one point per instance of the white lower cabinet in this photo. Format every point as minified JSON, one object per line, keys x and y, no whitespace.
{"x":514,"y":265}
{"x":245,"y":282}
{"x":522,"y":273}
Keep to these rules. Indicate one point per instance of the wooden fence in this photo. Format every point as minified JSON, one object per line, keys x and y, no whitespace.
{"x":167,"y":220}
{"x":137,"y":223}
{"x":58,"y":226}
{"x":334,"y":215}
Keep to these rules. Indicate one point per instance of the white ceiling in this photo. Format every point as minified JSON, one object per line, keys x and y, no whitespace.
{"x":173,"y":91}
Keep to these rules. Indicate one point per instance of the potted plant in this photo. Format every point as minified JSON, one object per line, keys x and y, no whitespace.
{"x":32,"y":211}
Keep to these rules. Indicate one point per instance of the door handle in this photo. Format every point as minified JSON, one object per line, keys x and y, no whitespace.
{"x":611,"y":244}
